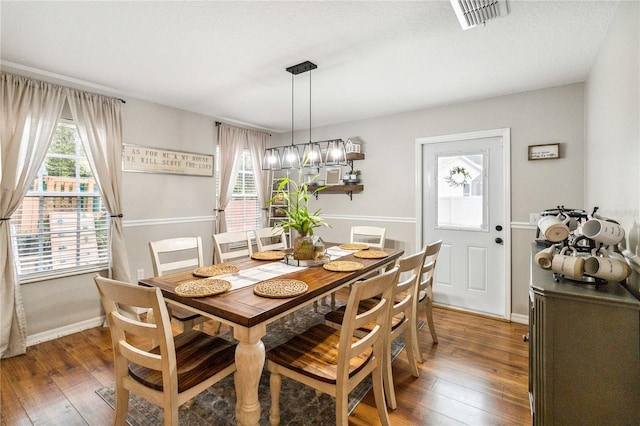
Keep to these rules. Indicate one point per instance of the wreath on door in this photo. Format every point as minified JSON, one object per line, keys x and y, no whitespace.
{"x":457,"y":177}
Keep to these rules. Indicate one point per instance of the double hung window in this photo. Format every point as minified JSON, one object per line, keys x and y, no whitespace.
{"x":243,"y":212}
{"x":61,"y":227}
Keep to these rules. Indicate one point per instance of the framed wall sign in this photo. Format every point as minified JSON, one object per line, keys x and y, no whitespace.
{"x":144,"y":159}
{"x":544,"y":152}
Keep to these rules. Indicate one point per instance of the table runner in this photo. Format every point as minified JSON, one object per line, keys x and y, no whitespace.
{"x":271,"y":270}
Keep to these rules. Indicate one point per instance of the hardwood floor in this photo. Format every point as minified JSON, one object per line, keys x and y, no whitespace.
{"x":475,"y":375}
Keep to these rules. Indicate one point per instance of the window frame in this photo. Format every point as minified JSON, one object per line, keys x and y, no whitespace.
{"x":247,"y":194}
{"x":76,"y":196}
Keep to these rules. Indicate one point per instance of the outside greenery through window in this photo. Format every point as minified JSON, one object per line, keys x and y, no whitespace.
{"x":61,"y":224}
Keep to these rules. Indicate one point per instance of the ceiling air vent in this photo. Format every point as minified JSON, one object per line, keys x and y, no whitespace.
{"x":472,"y":13}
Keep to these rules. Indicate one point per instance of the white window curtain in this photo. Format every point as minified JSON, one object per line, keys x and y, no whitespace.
{"x":232,"y":141}
{"x":258,"y":142}
{"x":99,"y":122}
{"x":29,"y":115}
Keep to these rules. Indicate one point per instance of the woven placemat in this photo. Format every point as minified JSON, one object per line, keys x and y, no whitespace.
{"x":202,"y":288}
{"x":268,"y":255}
{"x":280,"y":288}
{"x":354,"y":246}
{"x":342,"y":266}
{"x":370,"y":254}
{"x":213,"y":270}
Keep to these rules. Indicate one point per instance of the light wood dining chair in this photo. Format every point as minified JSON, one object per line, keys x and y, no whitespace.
{"x":172,"y":373}
{"x":272,"y":238}
{"x":173,"y":255}
{"x":231,"y":245}
{"x":373,"y":236}
{"x":425,"y":294}
{"x":335,"y":361}
{"x":401,"y":318}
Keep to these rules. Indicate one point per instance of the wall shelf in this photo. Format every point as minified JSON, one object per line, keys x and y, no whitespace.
{"x":337,"y":189}
{"x":352,"y":156}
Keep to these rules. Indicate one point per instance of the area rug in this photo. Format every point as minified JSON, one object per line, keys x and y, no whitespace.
{"x":216,"y":406}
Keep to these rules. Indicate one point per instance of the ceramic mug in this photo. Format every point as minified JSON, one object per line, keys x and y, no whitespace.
{"x":569,"y":266}
{"x":610,"y":269}
{"x":554,"y":228}
{"x":603,"y":231}
{"x":544,"y":257}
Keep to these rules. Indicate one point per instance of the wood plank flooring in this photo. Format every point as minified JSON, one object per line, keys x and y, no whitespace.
{"x":475,"y":375}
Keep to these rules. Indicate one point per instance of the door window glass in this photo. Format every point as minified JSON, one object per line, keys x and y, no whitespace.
{"x":461,"y":191}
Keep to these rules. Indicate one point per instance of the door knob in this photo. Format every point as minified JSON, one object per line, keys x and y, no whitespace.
{"x":498,"y":227}
{"x":499,"y":240}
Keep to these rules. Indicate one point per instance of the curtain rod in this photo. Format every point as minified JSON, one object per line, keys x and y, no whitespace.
{"x":66,"y":87}
{"x":218,"y":124}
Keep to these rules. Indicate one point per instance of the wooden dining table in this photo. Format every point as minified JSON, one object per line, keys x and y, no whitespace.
{"x":248,"y":314}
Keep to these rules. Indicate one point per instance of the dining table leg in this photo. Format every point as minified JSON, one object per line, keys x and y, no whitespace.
{"x":250,"y":358}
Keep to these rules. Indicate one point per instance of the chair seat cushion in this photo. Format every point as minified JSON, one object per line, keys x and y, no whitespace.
{"x":314,"y":353}
{"x":198,"y":357}
{"x":336,"y":316}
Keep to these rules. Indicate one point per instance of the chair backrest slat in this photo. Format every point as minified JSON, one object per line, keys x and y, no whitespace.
{"x":231,"y":245}
{"x":374,"y":236}
{"x":132,"y":337}
{"x":410,"y":270}
{"x":381,"y":286}
{"x":265,"y":237}
{"x":172,"y":248}
{"x":428,"y":270}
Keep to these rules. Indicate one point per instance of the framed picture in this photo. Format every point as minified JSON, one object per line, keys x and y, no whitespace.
{"x":544,"y":152}
{"x":333,"y":175}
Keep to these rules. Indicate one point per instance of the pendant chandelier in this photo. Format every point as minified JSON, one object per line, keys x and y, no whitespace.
{"x":314,"y":154}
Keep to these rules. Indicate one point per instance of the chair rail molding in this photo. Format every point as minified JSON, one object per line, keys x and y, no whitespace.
{"x":397,"y":219}
{"x":167,"y":221}
{"x":388,"y":219}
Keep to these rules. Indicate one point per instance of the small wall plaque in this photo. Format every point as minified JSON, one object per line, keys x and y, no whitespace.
{"x":544,"y":152}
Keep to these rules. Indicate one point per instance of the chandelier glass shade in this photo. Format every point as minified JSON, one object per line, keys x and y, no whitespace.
{"x":291,"y":157}
{"x":336,"y":153}
{"x":312,"y":156}
{"x":271,"y":159}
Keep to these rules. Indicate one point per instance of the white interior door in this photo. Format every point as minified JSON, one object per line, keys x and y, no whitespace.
{"x":463,"y":194}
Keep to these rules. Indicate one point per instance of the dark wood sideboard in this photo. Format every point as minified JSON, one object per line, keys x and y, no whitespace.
{"x":584,"y":352}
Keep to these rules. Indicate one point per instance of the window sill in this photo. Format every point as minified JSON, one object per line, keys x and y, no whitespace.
{"x":47,"y":276}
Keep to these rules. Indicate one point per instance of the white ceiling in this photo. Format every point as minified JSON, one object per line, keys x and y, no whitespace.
{"x":227,"y":59}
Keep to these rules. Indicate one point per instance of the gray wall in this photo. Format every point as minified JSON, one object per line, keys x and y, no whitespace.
{"x":161,"y":206}
{"x":388,"y":171}
{"x":158,"y":206}
{"x":612,"y":147}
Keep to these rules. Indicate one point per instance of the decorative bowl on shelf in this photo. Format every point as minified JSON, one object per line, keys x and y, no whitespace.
{"x":351,"y":181}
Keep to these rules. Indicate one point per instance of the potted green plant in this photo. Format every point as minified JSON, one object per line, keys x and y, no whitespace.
{"x":298,"y":217}
{"x":354,"y":175}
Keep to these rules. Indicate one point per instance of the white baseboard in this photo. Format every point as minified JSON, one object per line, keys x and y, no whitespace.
{"x":519,"y":318}
{"x":45,"y":336}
